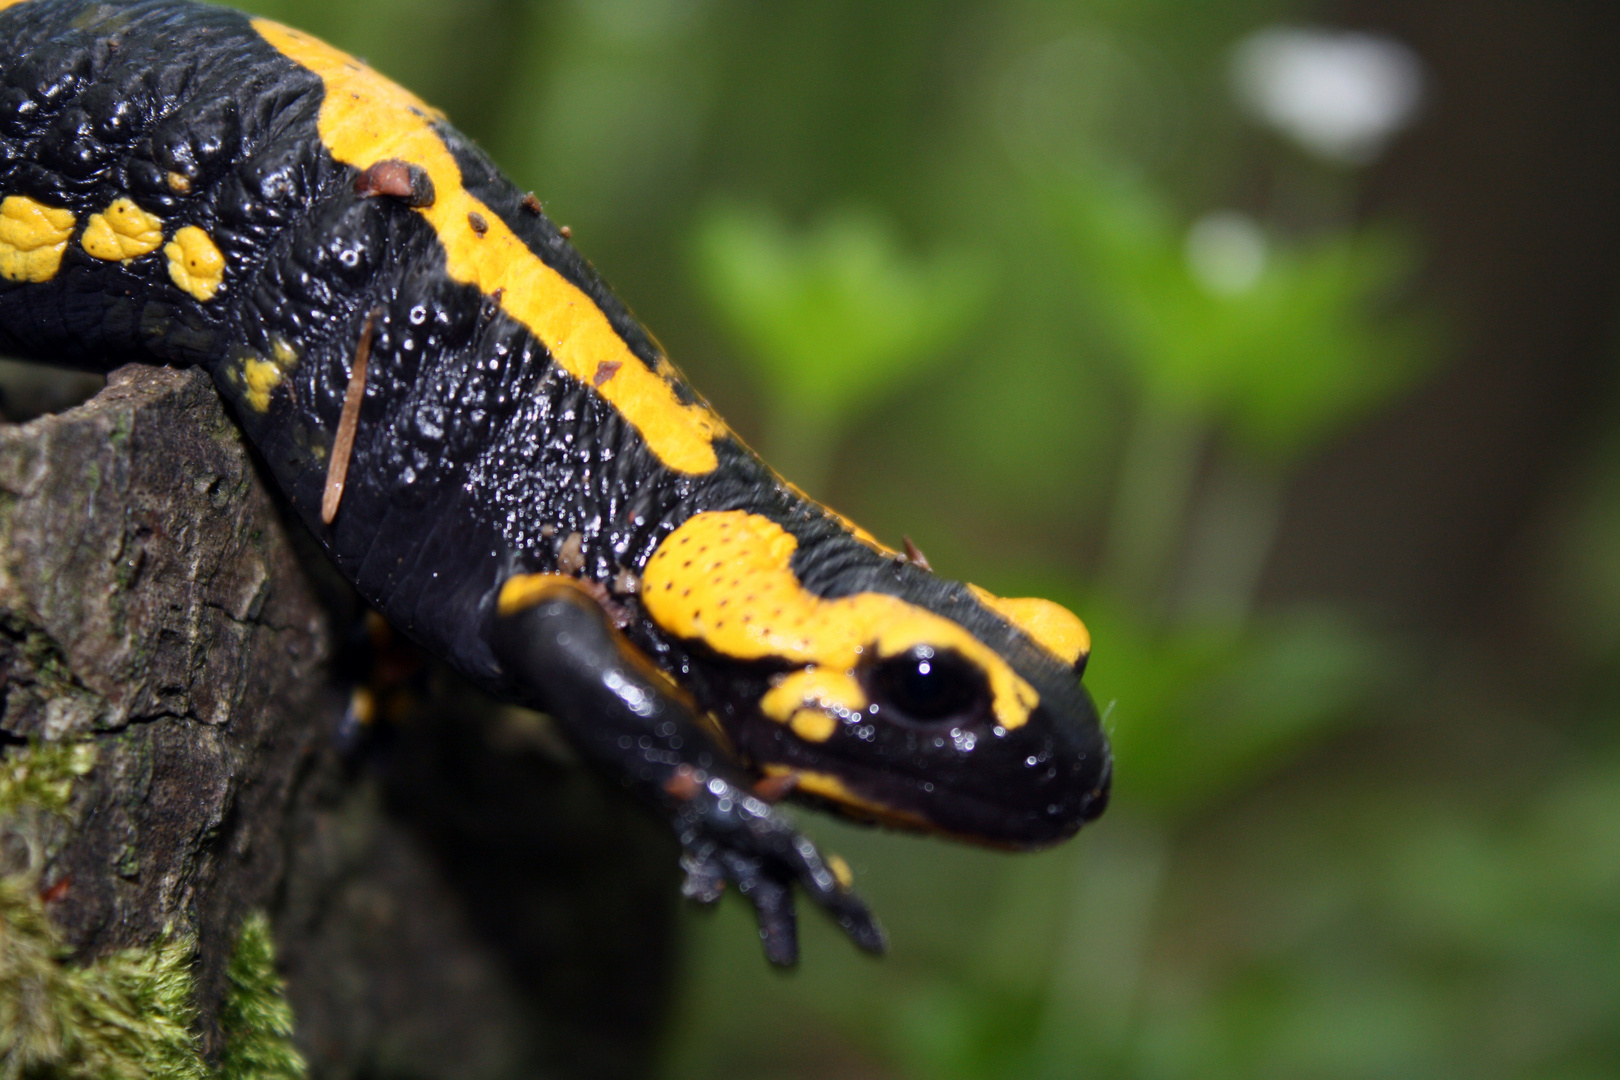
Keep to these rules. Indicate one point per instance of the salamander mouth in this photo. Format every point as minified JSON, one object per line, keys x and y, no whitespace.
{"x":977,"y":813}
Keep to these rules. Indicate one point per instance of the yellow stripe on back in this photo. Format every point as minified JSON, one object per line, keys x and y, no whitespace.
{"x":724,"y":578}
{"x":366,"y":119}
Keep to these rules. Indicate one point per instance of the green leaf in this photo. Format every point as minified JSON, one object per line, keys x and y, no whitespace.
{"x":838,"y":315}
{"x":1280,"y":354}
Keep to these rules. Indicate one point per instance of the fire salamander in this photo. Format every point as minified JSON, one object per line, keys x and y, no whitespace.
{"x":503,"y":462}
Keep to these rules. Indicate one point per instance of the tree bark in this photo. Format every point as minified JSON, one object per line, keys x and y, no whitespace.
{"x":452,"y":898}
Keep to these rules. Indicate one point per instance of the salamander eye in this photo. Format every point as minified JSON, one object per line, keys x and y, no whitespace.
{"x":928,"y":685}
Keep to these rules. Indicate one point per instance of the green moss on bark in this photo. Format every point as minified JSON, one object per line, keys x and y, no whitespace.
{"x":256,"y":1019}
{"x":130,"y":1013}
{"x":40,"y":777}
{"x":124,"y":1015}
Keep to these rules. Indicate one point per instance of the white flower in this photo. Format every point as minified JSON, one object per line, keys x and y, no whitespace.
{"x":1339,"y":94}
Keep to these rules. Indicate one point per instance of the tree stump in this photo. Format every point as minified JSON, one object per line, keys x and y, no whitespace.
{"x":454,"y":898}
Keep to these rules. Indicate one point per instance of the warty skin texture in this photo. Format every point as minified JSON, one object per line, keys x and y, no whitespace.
{"x":481,"y":453}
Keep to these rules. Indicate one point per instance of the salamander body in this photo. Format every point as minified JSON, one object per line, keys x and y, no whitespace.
{"x":520,"y":480}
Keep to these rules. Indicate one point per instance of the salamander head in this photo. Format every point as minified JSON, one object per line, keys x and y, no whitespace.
{"x":885,"y":692}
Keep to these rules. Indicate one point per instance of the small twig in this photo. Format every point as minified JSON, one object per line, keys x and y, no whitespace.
{"x":337,"y":470}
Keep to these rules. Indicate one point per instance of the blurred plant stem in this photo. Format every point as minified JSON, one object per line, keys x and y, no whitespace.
{"x":1246,"y":350}
{"x":1229,"y":538}
{"x":1102,"y":955}
{"x":1186,"y":541}
{"x":1157,"y":474}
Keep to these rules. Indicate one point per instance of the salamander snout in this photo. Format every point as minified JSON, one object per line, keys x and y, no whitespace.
{"x":1039,"y":784}
{"x":928,"y":749}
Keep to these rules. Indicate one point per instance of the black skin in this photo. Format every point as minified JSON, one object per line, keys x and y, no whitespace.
{"x":476,"y":457}
{"x":625,"y":719}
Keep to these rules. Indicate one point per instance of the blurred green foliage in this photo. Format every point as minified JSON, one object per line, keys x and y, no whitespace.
{"x":835,"y":320}
{"x":1279,"y":361}
{"x":1084,"y":326}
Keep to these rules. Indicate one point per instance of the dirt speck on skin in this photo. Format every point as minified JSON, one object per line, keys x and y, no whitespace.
{"x":571,"y":556}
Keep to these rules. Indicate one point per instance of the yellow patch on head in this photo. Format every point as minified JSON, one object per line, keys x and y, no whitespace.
{"x":1051,"y":626}
{"x":195,"y":262}
{"x":811,"y":700}
{"x":33,"y":238}
{"x":724,"y":578}
{"x":814,"y":687}
{"x":833,"y":789}
{"x":122,"y":232}
{"x":813,"y":725}
{"x":365,"y":119}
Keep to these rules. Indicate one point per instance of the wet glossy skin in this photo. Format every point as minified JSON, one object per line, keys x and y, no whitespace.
{"x":179,"y":185}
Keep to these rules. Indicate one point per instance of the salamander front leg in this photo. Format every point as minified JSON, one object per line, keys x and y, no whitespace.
{"x":556,"y":643}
